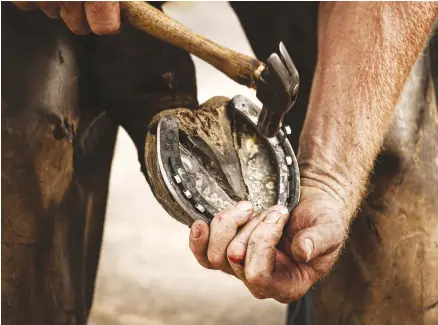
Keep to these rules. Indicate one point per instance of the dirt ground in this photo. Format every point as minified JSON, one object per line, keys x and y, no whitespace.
{"x":147,"y":274}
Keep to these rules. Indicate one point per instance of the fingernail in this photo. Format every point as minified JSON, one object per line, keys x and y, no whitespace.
{"x":272,"y":217}
{"x":280,"y":208}
{"x":308,"y":248}
{"x":195,"y":232}
{"x":244,"y":206}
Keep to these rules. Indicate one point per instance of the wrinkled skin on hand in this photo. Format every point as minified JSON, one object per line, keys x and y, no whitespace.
{"x":81,"y":17}
{"x":253,"y":249}
{"x":349,"y":113}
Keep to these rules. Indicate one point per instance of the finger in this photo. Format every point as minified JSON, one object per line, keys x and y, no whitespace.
{"x":291,"y":280}
{"x":261,"y":292}
{"x":73,"y":15}
{"x":260,"y":257}
{"x":198,"y":242}
{"x":285,"y":246}
{"x":26,"y":5}
{"x":320,"y":239}
{"x":50,"y":8}
{"x":288,"y":62}
{"x":236,"y":251}
{"x":103,"y":16}
{"x":223,"y":229}
{"x":288,"y":282}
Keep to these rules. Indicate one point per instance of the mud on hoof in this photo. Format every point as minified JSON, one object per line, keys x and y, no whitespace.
{"x":200,"y":162}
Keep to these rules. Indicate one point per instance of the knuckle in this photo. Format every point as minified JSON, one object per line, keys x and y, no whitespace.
{"x":258,"y":295}
{"x":216,"y":259}
{"x":217,"y":218}
{"x":224,"y":218}
{"x":236,"y":249}
{"x":236,"y":252}
{"x":255,"y":278}
{"x":236,"y":257}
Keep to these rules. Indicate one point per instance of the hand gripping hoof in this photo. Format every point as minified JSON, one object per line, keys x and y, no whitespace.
{"x":202,"y":176}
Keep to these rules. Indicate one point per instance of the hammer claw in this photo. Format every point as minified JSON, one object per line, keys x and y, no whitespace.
{"x":280,"y":76}
{"x":287,"y":60}
{"x":277,"y":89}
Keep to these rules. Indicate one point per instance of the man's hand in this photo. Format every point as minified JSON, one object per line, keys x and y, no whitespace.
{"x":365,"y":53}
{"x":253,"y":249}
{"x":81,"y":17}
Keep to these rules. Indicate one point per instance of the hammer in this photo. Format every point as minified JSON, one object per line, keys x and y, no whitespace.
{"x":276,"y":83}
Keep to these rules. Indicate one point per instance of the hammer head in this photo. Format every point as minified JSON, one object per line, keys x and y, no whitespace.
{"x":277,"y":89}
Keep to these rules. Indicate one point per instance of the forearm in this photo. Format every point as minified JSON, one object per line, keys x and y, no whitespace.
{"x":365,"y":53}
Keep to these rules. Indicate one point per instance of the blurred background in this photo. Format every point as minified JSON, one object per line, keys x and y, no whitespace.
{"x":147,"y":274}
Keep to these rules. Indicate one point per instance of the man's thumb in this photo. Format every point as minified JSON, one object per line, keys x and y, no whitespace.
{"x":316,"y":241}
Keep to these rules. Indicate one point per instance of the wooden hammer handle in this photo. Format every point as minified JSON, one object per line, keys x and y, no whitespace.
{"x":243,"y":69}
